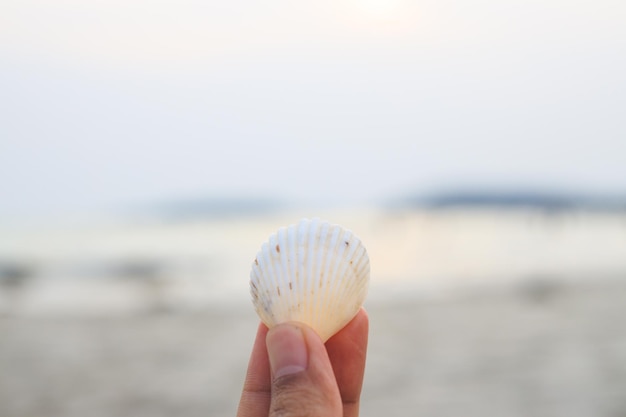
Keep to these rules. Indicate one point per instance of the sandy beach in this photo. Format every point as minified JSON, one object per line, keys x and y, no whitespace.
{"x":546,"y":351}
{"x":85,"y":337}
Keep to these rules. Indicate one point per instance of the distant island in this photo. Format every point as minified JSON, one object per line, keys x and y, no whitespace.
{"x":211,"y":207}
{"x":551,"y":201}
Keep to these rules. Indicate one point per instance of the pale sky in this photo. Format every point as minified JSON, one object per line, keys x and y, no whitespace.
{"x":113,"y":103}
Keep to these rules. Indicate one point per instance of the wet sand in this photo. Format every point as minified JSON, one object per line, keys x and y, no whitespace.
{"x":539,"y":349}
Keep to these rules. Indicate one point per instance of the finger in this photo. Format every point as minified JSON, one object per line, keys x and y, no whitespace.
{"x":303,"y":382}
{"x":255,"y":398}
{"x":347,"y":352}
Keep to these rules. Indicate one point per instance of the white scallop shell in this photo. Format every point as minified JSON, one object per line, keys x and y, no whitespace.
{"x":314,"y":272}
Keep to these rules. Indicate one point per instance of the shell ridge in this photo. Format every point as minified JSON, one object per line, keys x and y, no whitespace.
{"x":353,"y":267}
{"x":331,"y":281}
{"x":329,"y":278}
{"x":294,"y":274}
{"x":363,"y":267}
{"x":303,"y":238}
{"x":299,"y":252}
{"x":292,"y":299}
{"x":321,"y":266}
{"x":266,"y":304}
{"x":342,"y":281}
{"x":323,"y":279}
{"x":361,"y":259}
{"x":357,"y":287}
{"x":275,"y":275}
{"x":290,"y":251}
{"x":281,"y":241}
{"x":365,"y":270}
{"x":291,"y":254}
{"x":312,"y":242}
{"x":324,"y":256}
{"x":346,"y":276}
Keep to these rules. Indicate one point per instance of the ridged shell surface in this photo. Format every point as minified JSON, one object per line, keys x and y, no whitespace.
{"x":312,"y":272}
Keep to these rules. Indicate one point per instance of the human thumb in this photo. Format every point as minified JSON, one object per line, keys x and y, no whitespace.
{"x":303,"y":382}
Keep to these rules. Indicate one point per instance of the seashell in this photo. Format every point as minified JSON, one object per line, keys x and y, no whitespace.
{"x":312,"y":272}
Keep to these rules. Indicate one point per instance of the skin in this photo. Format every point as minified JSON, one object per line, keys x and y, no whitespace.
{"x":328,"y":385}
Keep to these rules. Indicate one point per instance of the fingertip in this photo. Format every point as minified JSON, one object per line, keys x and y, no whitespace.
{"x":362,"y":319}
{"x":356,"y":330}
{"x":255,"y":397}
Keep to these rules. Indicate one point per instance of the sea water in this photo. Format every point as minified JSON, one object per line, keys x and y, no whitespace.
{"x":124,"y":266}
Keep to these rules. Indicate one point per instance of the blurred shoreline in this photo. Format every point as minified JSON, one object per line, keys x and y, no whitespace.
{"x":123,"y":266}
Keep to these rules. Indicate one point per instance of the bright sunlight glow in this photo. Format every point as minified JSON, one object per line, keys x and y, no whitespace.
{"x":380,"y":8}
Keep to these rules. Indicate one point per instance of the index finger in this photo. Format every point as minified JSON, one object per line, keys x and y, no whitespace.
{"x":256,"y":395}
{"x":347,"y":351}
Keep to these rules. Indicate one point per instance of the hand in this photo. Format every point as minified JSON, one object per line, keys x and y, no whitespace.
{"x":292,"y":373}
